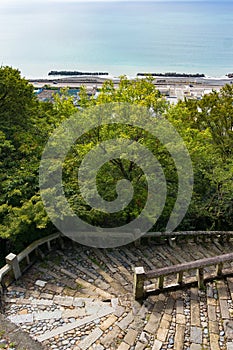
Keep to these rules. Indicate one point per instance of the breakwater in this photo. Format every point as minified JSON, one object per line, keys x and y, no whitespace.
{"x":63,"y":72}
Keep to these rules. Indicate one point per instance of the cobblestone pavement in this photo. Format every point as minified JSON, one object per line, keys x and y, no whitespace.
{"x":81,"y":299}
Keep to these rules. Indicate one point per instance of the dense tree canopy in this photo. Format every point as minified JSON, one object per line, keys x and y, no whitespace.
{"x":206,"y":127}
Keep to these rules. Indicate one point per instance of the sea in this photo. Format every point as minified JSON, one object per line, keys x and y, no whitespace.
{"x":120,"y":37}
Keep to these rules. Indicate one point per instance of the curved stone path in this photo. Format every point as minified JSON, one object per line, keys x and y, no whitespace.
{"x":81,"y":299}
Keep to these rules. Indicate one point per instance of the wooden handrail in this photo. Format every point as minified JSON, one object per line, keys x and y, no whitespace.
{"x":197,"y":264}
{"x":140,"y":276}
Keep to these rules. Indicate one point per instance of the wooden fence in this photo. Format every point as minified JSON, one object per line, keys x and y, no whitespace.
{"x":140,"y":276}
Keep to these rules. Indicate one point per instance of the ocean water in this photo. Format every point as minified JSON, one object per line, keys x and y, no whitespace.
{"x":121,"y":37}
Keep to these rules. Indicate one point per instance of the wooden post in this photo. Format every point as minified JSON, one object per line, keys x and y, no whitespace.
{"x":203,"y":238}
{"x":221,"y":239}
{"x":138,"y":287}
{"x":172,"y":242}
{"x":180,"y":277}
{"x":137,"y":243}
{"x":49,"y":245}
{"x":61,"y":242}
{"x":12,"y":260}
{"x":160,"y":282}
{"x":28,"y":259}
{"x":200,"y":278}
{"x":219,"y":269}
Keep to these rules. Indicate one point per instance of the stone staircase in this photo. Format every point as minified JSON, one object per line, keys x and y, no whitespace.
{"x":81,"y":298}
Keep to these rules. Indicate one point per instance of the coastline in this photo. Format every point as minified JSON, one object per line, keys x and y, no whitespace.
{"x":173,"y":88}
{"x":158,"y":80}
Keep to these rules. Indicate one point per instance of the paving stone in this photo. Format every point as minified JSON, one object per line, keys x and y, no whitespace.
{"x":163,"y":329}
{"x":169,"y":305}
{"x":180,"y":319}
{"x":119,"y":310}
{"x":114,"y":302}
{"x":120,"y":279}
{"x":228,"y":328}
{"x":123,"y":346}
{"x":157,"y":345}
{"x":46,"y":296}
{"x":130,"y":336}
{"x":144,"y":337}
{"x":209,"y":292}
{"x":159,"y":306}
{"x":40,"y":283}
{"x":222,"y":290}
{"x":53,"y":288}
{"x":43,"y":302}
{"x":70,"y":326}
{"x":195,"y":347}
{"x":125,"y":322}
{"x":195,"y":313}
{"x":194,"y":294}
{"x":103,"y":294}
{"x":130,"y":255}
{"x":74,"y":313}
{"x":46,"y":315}
{"x":229,"y":346}
{"x":48,"y":272}
{"x":212,"y":313}
{"x":211,"y":301}
{"x":179,"y":307}
{"x":105,"y":275}
{"x":224,"y":308}
{"x":196,"y":335}
{"x":213,"y":327}
{"x":153,"y":323}
{"x":86,"y":343}
{"x":21,"y":301}
{"x":80,"y":302}
{"x":179,"y":337}
{"x":64,"y":301}
{"x":214,"y":342}
{"x":17,"y":319}
{"x":168,"y":317}
{"x":140,"y":346}
{"x":108,"y":322}
{"x":97,"y":347}
{"x":102,"y":257}
{"x":96,"y":306}
{"x":110,"y":337}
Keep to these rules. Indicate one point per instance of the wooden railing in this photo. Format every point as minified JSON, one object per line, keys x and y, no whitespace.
{"x":175,"y":237}
{"x":140,"y":276}
{"x":14,"y":269}
{"x":13,"y":261}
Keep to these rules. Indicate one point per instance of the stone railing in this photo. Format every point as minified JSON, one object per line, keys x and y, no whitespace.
{"x":16,"y":264}
{"x":140,"y":276}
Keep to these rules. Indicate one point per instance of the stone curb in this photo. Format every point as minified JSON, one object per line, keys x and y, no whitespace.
{"x":19,"y":337}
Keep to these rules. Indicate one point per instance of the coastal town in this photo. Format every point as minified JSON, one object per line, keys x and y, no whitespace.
{"x":174,"y":87}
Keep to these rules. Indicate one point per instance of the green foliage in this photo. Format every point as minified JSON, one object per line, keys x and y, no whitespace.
{"x":26,"y":124}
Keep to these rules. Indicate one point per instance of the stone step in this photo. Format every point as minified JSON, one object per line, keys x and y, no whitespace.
{"x":70,"y":326}
{"x":131,"y":254}
{"x":170,"y":257}
{"x":95,"y":319}
{"x":121,"y":269}
{"x":90,"y":339}
{"x":100,"y":255}
{"x":130,"y":264}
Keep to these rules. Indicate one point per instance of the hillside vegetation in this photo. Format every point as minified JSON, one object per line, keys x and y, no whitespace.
{"x":206,"y":127}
